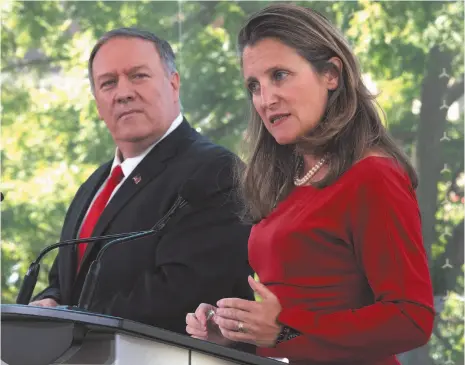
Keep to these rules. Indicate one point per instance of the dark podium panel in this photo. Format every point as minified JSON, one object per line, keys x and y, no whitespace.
{"x":42,"y":336}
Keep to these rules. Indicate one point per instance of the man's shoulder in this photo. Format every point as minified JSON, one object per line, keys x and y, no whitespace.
{"x":211,"y":167}
{"x":206,"y":152}
{"x":210,"y":152}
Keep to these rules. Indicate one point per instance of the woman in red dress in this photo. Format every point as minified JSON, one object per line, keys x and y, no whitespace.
{"x":337,"y":239}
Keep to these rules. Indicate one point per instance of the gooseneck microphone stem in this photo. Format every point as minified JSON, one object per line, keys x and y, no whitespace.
{"x":30,"y":279}
{"x":88,"y":289}
{"x":90,"y":283}
{"x":179,"y":203}
{"x":192,"y":193}
{"x":80,"y":240}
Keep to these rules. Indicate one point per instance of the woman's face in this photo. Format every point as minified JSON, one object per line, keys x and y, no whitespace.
{"x":287,"y":93}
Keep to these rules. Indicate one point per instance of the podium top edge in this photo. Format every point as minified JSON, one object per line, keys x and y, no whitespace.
{"x":11,"y":312}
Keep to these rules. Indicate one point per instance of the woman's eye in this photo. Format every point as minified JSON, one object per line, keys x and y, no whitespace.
{"x":280,"y":75}
{"x":253,"y":87}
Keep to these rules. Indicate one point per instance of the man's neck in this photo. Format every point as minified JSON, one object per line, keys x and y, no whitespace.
{"x":134,"y":149}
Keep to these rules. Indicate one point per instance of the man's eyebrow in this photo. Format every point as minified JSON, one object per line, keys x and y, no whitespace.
{"x":105,"y":75}
{"x":112,"y":74}
{"x":250,"y":78}
{"x":137,"y":68}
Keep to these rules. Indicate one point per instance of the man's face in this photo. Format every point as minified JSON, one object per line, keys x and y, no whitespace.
{"x":135,"y":96}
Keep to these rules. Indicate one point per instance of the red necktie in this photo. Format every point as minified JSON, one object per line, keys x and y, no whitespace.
{"x":97,"y":208}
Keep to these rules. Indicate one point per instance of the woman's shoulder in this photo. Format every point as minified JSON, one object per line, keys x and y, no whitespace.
{"x":377,"y":165}
{"x":379,"y":172}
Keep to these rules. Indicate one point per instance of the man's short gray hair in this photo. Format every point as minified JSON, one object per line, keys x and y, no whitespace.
{"x":163,"y":48}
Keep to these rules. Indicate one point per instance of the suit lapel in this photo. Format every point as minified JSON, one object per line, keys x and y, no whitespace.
{"x":71,"y":230}
{"x":82,"y":205}
{"x":148,"y":169}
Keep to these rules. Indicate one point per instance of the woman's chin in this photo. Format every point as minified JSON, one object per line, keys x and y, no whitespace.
{"x":284,"y":140}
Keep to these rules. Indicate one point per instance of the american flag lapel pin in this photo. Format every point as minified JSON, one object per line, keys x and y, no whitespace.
{"x":137,"y":179}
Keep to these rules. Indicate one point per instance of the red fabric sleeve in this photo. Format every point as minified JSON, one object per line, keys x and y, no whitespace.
{"x":385,"y":226}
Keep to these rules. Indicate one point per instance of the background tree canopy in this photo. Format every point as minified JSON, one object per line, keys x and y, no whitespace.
{"x":411,"y":53}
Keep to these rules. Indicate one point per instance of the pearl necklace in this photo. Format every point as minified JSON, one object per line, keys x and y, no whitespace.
{"x":310,"y":174}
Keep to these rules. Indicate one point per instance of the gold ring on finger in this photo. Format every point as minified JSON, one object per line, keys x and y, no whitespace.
{"x":241,"y":328}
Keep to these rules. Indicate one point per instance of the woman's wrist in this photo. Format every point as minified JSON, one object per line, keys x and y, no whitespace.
{"x":286,"y":333}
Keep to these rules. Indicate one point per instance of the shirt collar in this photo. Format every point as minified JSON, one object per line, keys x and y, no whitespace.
{"x":129,"y":164}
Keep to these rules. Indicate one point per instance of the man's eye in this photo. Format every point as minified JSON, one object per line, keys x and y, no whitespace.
{"x":140,"y":76}
{"x":107,"y":83}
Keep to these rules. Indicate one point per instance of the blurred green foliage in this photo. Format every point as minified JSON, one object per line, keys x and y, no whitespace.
{"x":52,"y":138}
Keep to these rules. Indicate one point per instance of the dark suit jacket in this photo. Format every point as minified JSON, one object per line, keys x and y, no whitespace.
{"x":200,"y":256}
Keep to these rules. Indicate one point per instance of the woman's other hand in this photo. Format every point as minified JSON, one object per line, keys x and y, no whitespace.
{"x":201,"y":326}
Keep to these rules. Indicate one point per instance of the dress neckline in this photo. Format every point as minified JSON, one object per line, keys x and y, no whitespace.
{"x":350,"y":171}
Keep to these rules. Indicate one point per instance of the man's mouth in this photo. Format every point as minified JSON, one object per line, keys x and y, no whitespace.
{"x":128,"y":113}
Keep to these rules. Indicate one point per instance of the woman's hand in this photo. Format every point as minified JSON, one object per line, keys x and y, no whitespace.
{"x":247,"y":321}
{"x":199,"y":325}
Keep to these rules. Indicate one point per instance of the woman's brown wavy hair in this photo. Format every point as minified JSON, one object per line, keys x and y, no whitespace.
{"x":349,"y":127}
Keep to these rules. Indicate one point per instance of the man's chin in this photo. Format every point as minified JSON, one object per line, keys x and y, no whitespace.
{"x":131,"y":138}
{"x":134,"y":139}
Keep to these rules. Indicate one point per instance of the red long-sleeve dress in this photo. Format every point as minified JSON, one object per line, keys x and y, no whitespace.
{"x":348,"y":265}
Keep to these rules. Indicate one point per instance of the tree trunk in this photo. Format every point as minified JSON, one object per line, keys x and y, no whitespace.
{"x":430,"y":130}
{"x":429,"y":163}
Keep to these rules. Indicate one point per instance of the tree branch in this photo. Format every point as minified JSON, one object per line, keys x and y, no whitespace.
{"x":445,"y":278}
{"x":455,"y":91}
{"x":34,"y":62}
{"x":453,"y":253}
{"x":221,"y":131}
{"x":454,"y":187}
{"x":456,"y":242}
{"x":441,"y":339}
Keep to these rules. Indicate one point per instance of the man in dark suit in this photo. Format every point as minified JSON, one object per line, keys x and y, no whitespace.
{"x":201,"y":255}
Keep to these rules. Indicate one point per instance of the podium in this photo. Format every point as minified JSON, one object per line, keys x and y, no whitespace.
{"x":42,"y":336}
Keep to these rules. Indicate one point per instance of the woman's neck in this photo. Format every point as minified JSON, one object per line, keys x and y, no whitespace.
{"x":311,"y":161}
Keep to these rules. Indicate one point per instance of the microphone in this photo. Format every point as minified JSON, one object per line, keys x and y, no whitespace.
{"x":192,"y":193}
{"x":30,"y":279}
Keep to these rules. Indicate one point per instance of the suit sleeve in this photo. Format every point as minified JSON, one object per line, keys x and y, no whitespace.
{"x":386,"y":233}
{"x":201,"y":258}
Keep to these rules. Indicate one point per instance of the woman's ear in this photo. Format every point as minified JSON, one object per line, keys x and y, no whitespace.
{"x":333,"y":73}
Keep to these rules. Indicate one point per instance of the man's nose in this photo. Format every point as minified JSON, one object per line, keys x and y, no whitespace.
{"x":125,"y":92}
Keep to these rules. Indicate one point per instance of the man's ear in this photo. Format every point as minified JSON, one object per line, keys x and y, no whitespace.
{"x":175,"y":82}
{"x":333,"y":73}
{"x":98,"y":112}
{"x":94,"y":94}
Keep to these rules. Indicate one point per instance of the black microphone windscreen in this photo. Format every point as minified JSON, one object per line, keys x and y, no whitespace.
{"x":28,"y":284}
{"x":193,"y":193}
